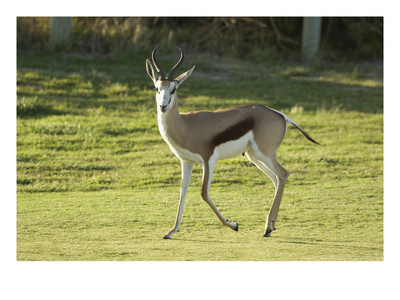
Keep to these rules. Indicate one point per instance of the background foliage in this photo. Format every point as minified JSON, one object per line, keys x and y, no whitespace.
{"x":358,"y":38}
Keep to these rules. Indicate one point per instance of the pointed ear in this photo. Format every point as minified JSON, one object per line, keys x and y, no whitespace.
{"x":183,"y":77}
{"x":150,"y":71}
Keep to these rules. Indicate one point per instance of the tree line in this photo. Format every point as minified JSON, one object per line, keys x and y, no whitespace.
{"x":355,"y":38}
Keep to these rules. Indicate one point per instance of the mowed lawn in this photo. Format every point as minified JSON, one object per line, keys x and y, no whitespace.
{"x":95,"y":180}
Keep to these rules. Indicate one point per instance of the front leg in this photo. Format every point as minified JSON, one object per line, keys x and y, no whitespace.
{"x":187,"y":168}
{"x":208,"y":169}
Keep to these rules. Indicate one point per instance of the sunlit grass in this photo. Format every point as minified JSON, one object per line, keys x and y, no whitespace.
{"x":345,"y":79}
{"x":95,"y":181}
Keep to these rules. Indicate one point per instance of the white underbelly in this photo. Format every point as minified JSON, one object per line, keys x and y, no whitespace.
{"x":223,"y":151}
{"x":233,"y":148}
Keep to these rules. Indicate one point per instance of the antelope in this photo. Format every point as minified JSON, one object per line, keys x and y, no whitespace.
{"x":208,"y":136}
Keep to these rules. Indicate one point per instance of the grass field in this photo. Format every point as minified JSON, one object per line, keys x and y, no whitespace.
{"x":95,"y":180}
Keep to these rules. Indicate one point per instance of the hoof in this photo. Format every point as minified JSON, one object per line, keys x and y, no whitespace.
{"x":267,"y":233}
{"x":167,"y":237}
{"x":231,"y":225}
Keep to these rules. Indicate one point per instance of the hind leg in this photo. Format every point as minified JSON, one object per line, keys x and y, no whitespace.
{"x":259,"y":164}
{"x":271,"y":167}
{"x":266,"y":171}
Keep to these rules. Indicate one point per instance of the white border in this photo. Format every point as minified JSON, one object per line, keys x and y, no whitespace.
{"x":198,"y":280}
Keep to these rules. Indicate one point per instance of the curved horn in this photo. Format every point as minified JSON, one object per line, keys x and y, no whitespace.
{"x":159,"y":70}
{"x":171,"y":73}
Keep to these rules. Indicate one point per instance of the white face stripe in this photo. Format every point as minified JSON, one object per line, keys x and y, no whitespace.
{"x":165,"y":94}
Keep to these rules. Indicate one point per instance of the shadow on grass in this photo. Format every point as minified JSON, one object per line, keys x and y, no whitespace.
{"x":327,"y":243}
{"x":124,"y":85}
{"x":31,"y":108}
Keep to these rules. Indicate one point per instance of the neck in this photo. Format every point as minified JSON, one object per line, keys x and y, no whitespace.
{"x":168,"y":122}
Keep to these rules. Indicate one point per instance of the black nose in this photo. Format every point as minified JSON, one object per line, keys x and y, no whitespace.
{"x":163,"y":108}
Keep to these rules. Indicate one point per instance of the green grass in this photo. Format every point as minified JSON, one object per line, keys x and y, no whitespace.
{"x":95,"y":180}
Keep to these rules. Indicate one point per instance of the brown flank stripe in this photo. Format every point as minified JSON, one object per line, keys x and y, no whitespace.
{"x":233,"y":133}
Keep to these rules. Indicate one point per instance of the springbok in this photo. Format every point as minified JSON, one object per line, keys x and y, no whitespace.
{"x":208,"y":136}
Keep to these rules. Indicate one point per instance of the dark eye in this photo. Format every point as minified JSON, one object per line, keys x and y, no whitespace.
{"x":156,"y":89}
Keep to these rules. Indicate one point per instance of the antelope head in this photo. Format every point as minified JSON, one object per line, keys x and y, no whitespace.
{"x":166,"y":86}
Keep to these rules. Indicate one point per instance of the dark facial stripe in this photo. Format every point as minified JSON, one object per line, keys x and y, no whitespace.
{"x":233,"y":133}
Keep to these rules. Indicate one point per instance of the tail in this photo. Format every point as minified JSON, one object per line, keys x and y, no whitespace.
{"x":287,"y":119}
